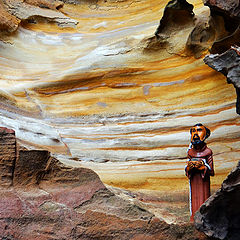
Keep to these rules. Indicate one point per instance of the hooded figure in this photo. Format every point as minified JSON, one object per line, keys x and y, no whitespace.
{"x":199,"y":167}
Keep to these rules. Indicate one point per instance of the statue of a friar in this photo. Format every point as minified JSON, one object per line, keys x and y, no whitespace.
{"x":199,"y":167}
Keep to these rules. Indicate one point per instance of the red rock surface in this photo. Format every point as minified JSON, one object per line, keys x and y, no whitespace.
{"x":51,"y":201}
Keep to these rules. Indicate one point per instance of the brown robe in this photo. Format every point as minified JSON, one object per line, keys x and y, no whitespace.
{"x":200,"y":179}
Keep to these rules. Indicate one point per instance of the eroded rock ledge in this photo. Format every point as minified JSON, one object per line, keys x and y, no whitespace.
{"x":43,"y":199}
{"x":13,"y":12}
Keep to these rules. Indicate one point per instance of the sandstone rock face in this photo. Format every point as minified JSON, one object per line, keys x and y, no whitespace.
{"x":219,"y":216}
{"x":51,"y":201}
{"x":111,"y":96}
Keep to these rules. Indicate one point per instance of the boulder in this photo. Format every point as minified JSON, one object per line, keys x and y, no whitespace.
{"x":219,"y":216}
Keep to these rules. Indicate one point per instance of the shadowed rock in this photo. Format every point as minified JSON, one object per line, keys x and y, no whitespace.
{"x":202,"y":36}
{"x":177,"y":13}
{"x":217,"y":33}
{"x":231,"y":7}
{"x":225,"y":19}
{"x":219,"y":216}
{"x":228,"y":64}
{"x":224,"y":44}
{"x":178,"y":16}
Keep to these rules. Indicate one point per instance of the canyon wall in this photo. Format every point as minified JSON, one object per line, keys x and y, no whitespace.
{"x":108,"y":86}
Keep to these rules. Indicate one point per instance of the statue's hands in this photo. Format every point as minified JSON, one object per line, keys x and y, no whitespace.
{"x":190,"y":165}
{"x":200,"y":165}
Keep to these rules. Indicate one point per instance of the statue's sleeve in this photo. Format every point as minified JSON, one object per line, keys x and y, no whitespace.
{"x":210,"y":163}
{"x":187,"y":170}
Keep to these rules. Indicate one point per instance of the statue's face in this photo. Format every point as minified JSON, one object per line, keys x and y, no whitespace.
{"x":198,"y":134}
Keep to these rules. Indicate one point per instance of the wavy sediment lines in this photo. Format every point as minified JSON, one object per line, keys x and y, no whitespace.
{"x":126,"y":144}
{"x":93,"y":94}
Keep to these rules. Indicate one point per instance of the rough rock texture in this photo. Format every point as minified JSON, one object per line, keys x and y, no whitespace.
{"x":227,"y":36}
{"x":228,"y":63}
{"x":108,"y":95}
{"x":7,"y":156}
{"x":225,"y":19}
{"x":51,"y":201}
{"x":231,"y":7}
{"x":176,"y":14}
{"x":29,"y":167}
{"x":219,"y":216}
{"x":14,"y":11}
{"x":219,"y":31}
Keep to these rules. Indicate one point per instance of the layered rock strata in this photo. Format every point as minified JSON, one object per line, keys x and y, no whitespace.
{"x":219,"y":216}
{"x":51,"y":201}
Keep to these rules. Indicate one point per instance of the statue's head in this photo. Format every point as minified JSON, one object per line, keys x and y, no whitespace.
{"x":199,"y":134}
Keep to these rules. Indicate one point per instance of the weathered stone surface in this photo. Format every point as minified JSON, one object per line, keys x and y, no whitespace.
{"x":228,"y":64}
{"x":8,"y":155}
{"x":226,"y":43}
{"x":14,"y":11}
{"x":202,"y":36}
{"x":35,"y":215}
{"x":177,"y":14}
{"x":225,"y":20}
{"x":231,"y":7}
{"x":30,"y":166}
{"x":217,"y":32}
{"x":46,"y":4}
{"x":51,"y":201}
{"x":219,"y":216}
{"x":8,"y":22}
